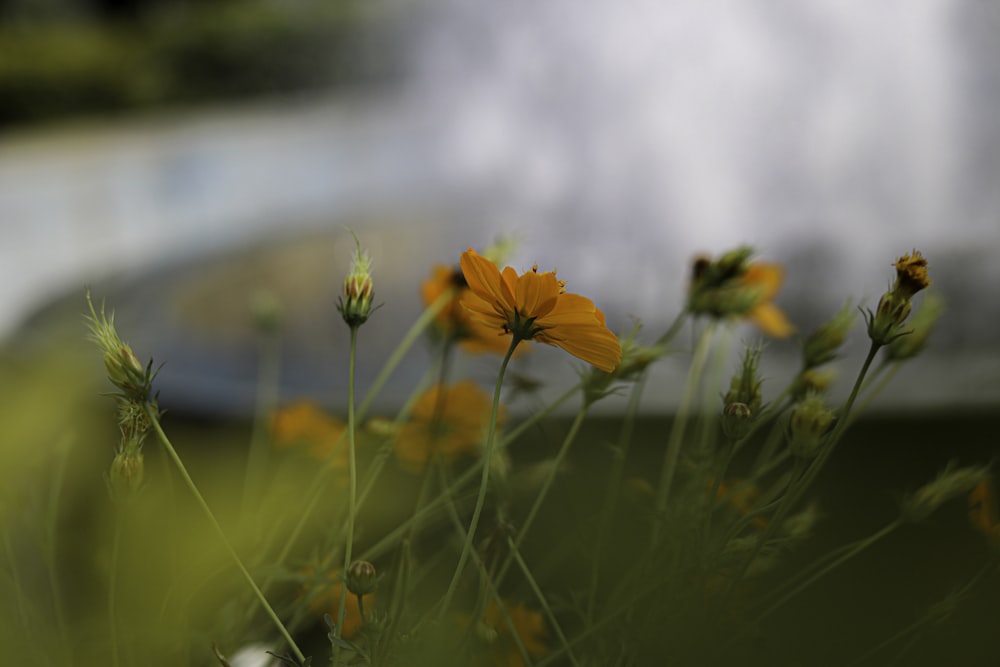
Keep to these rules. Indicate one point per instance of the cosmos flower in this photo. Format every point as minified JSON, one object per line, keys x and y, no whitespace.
{"x":455,"y":322}
{"x":733,"y":286}
{"x":766,"y":279}
{"x":305,"y":424}
{"x":536,"y":306}
{"x":446,"y":421}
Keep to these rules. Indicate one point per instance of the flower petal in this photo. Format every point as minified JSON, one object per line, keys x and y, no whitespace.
{"x":536,"y":294}
{"x":484,"y":280}
{"x":771,"y":320}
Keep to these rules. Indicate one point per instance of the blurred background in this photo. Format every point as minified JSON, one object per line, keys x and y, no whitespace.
{"x":186,"y":158}
{"x":179,"y":157}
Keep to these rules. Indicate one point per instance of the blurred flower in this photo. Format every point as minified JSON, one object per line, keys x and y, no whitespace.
{"x":536,"y":306}
{"x":921,"y":325}
{"x":305,"y":424}
{"x":455,"y":322}
{"x":766,"y":279}
{"x":322,"y":594}
{"x":447,"y":422}
{"x":494,"y":630}
{"x":742,"y":497}
{"x":733,"y":286}
{"x":822,"y":345}
{"x":983,"y":513}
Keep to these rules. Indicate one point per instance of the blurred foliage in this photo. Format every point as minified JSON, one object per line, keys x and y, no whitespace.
{"x":176,"y":55}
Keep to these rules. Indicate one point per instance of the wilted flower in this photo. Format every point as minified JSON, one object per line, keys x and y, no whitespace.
{"x":894,"y":306}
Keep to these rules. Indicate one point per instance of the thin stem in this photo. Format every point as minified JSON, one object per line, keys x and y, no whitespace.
{"x":614,"y":485}
{"x":557,"y":464}
{"x":541,"y":599}
{"x":849,"y":552}
{"x":676,"y":440}
{"x":267,"y":398}
{"x":404,"y":346}
{"x":435,"y":505}
{"x":113,"y":587}
{"x":353,"y":489}
{"x":193,"y":488}
{"x":484,"y":480}
{"x":52,"y":530}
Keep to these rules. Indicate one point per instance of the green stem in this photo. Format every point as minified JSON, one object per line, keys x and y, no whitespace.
{"x":353,"y":488}
{"x":849,"y":552}
{"x":52,"y":530}
{"x":614,"y":486}
{"x":404,"y":346}
{"x":801,"y":482}
{"x":267,"y":399}
{"x":113,"y":587}
{"x":151,"y":413}
{"x":536,"y":506}
{"x":484,"y":480}
{"x":435,"y":505}
{"x":541,"y":600}
{"x":676,"y":440}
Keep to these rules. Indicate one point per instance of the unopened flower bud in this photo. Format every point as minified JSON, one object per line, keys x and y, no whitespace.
{"x":822,"y":344}
{"x":922,"y":324}
{"x":813,"y":381}
{"x":736,"y":420}
{"x":356,"y":303}
{"x":126,"y":475}
{"x":811,"y":420}
{"x":949,"y":484}
{"x":361,"y":578}
{"x":265,"y":310}
{"x":744,"y":387}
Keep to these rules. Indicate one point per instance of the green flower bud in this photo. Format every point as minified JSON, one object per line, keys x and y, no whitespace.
{"x":810,"y":421}
{"x":356,"y":303}
{"x":126,"y":475}
{"x":822,"y":345}
{"x":361,"y":578}
{"x":737,"y":419}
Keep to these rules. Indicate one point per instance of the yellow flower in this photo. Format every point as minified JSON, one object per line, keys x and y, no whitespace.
{"x":448,"y":422}
{"x":766,"y":279}
{"x":305,"y":424}
{"x":455,"y":322}
{"x":535,"y":306}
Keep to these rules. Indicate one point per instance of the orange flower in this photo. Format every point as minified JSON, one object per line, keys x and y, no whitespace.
{"x":453,"y":321}
{"x":305,"y":424}
{"x":449,"y":422}
{"x":743,"y":498}
{"x":530,"y":628}
{"x":535,"y":306}
{"x":323,"y":595}
{"x":767,"y":279}
{"x":983,"y":513}
{"x":732,"y":286}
